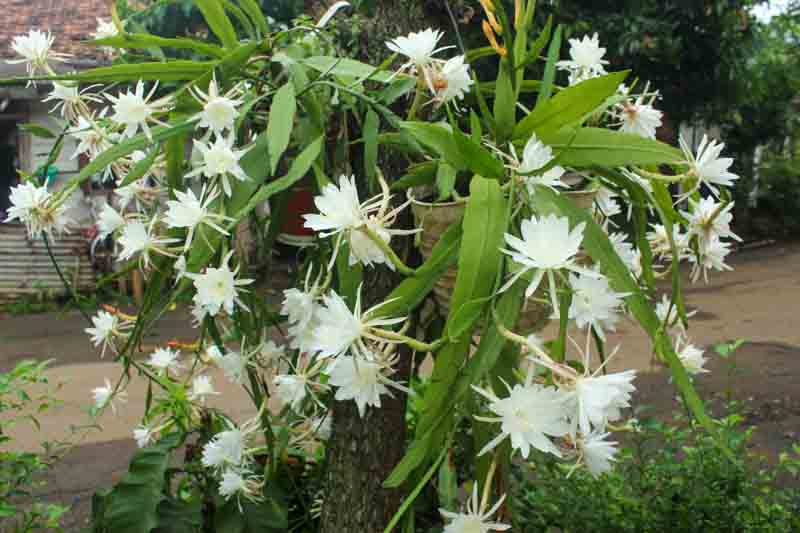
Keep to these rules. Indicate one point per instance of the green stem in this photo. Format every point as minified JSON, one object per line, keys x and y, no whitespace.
{"x":387,"y":250}
{"x":418,"y":97}
{"x":409,"y":341}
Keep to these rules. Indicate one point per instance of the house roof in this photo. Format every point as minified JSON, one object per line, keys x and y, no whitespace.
{"x":70,"y":21}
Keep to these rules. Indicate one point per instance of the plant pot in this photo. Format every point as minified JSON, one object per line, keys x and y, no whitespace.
{"x":293,"y":230}
{"x":435,"y":218}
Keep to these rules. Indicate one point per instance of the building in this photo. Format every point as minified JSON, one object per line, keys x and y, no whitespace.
{"x":24,"y":264}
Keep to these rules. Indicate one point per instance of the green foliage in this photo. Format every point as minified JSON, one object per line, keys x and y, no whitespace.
{"x":669,"y":477}
{"x":777,"y":198}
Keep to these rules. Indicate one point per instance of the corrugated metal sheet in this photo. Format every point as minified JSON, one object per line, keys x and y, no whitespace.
{"x":26,"y":268}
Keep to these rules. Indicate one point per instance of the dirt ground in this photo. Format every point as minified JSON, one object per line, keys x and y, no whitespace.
{"x":759,"y":301}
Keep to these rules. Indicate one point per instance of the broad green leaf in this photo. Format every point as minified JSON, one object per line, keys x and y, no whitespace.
{"x":241,"y":17}
{"x":465,"y":318}
{"x":600,"y":147}
{"x":505,"y":104}
{"x":550,"y":69}
{"x":38,"y":131}
{"x":350,"y":68}
{"x":445,"y":180}
{"x":597,"y":245}
{"x":141,"y":168}
{"x":421,"y":174}
{"x":477,"y":158}
{"x":349,"y":276}
{"x":253,"y":10}
{"x":474,"y":54}
{"x":569,"y":106}
{"x":219,"y":23}
{"x":535,"y":49}
{"x":175,"y":516}
{"x":175,"y":70}
{"x":371,"y":125}
{"x":281,"y":123}
{"x":438,"y":138}
{"x":145,"y":40}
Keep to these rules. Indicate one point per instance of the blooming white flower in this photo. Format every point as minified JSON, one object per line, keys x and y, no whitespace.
{"x":220,"y":160}
{"x":451,"y":81}
{"x":711,"y":256}
{"x":291,"y":389}
{"x":596,"y":400}
{"x":92,"y":138}
{"x":227,"y":448}
{"x":189,"y":212}
{"x":690,"y":355}
{"x":233,"y":365}
{"x":597,"y":453}
{"x":165,"y":360}
{"x":418,"y":47}
{"x":72,"y":102}
{"x":134,"y":110}
{"x":232,"y":483}
{"x":547,"y":245}
{"x":108,"y":221}
{"x":660,"y":243}
{"x":605,"y":201}
{"x":217,"y":288}
{"x":626,"y":252}
{"x":594,"y":303}
{"x":219,"y":111}
{"x":529,"y":415}
{"x":639,"y":118}
{"x":709,"y":219}
{"x":707,"y":166}
{"x":339,"y":208}
{"x":105,"y":396}
{"x":202,"y":387}
{"x":36,"y":52}
{"x":364,"y":250}
{"x":143,"y":435}
{"x":300,"y":308}
{"x":37,"y":209}
{"x":105,"y":29}
{"x":586,"y":59}
{"x":140,"y":192}
{"x":107,"y":326}
{"x":535,"y":156}
{"x":136,"y":238}
{"x":270,"y":353}
{"x":476,"y":519}
{"x":360,"y":380}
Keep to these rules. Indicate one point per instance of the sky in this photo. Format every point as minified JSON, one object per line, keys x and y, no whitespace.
{"x":767,"y":10}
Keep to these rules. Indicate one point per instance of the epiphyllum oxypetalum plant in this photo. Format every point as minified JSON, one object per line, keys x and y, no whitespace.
{"x":253,"y":107}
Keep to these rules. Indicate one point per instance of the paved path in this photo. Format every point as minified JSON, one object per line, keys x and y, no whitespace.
{"x":759,"y":301}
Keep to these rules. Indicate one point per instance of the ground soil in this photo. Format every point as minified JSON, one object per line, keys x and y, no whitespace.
{"x":759,"y":301}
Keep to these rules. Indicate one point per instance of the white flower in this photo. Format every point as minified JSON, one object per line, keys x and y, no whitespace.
{"x":219,"y":111}
{"x":136,"y":238}
{"x":660,"y":243}
{"x":597,"y":400}
{"x":640,"y":119}
{"x":547,"y":244}
{"x":708,"y":219}
{"x":586,"y":59}
{"x":340,"y":329}
{"x":300,"y":308}
{"x":626,"y":252}
{"x":105,"y":29}
{"x":106,"y":327}
{"x":594,"y":303}
{"x":535,"y":156}
{"x":72,"y":102}
{"x":220,"y":160}
{"x":233,"y":365}
{"x":291,"y":389}
{"x":708,"y":167}
{"x":605,"y":202}
{"x":270,"y":353}
{"x":690,"y":355}
{"x":36,"y":208}
{"x":217,"y":288}
{"x":419,"y":47}
{"x":108,"y":221}
{"x":189,"y":211}
{"x":133,"y":109}
{"x":363,"y":250}
{"x":92,"y":138}
{"x":597,"y":452}
{"x":105,"y":396}
{"x":143,"y":436}
{"x":360,"y":380}
{"x":201,"y":387}
{"x":164,"y":360}
{"x":35,"y":48}
{"x":339,"y":208}
{"x":452,"y":80}
{"x":227,"y":448}
{"x":529,"y":415}
{"x":711,"y":256}
{"x":139,"y":191}
{"x":232,"y":483}
{"x":476,"y":518}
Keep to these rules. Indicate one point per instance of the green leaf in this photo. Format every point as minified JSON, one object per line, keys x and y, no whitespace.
{"x":550,"y":69}
{"x":176,"y":516}
{"x":38,"y":131}
{"x":474,"y":54}
{"x":371,"y":125}
{"x":438,"y":138}
{"x":569,"y":106}
{"x":241,"y":17}
{"x":140,"y":168}
{"x":281,"y":123}
{"x":218,"y":22}
{"x":587,"y":147}
{"x":597,"y":245}
{"x":421,"y":174}
{"x":505,"y":104}
{"x":445,"y":180}
{"x":253,"y":10}
{"x":175,"y":70}
{"x":477,"y":158}
{"x":466,"y":317}
{"x":350,"y":68}
{"x":145,"y":40}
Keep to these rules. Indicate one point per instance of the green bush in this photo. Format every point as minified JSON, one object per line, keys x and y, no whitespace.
{"x":778,"y":197}
{"x":668,"y":478}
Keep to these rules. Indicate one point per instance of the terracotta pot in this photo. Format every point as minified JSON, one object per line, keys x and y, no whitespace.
{"x":435,"y":218}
